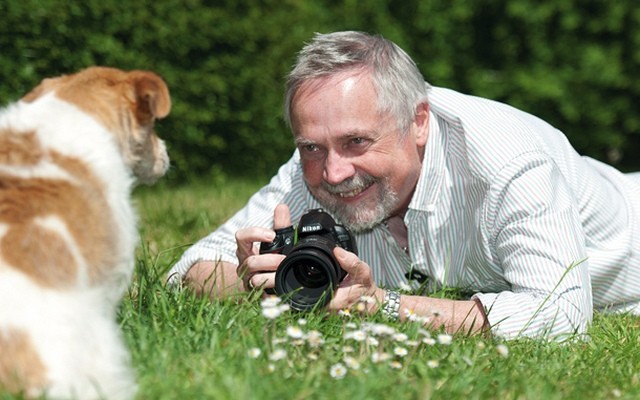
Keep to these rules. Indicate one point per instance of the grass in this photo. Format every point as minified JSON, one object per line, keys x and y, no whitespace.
{"x":184,"y":347}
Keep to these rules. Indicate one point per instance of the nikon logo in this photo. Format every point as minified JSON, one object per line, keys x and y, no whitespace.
{"x":311,"y":228}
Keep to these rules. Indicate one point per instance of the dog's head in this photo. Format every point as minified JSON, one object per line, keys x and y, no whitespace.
{"x":127,"y":104}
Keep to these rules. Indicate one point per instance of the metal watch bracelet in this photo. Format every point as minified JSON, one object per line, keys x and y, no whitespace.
{"x":391,"y":305}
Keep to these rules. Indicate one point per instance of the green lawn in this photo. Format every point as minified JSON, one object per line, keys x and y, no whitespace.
{"x":187,"y":348}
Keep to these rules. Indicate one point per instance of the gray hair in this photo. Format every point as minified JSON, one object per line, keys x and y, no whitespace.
{"x":398,"y":82}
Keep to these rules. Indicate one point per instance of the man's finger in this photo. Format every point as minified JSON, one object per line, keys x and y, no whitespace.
{"x":246,"y":238}
{"x":263,"y":280}
{"x":281,"y":217}
{"x":347,"y":260}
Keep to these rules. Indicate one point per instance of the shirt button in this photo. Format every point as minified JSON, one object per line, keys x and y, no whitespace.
{"x":430,"y":208}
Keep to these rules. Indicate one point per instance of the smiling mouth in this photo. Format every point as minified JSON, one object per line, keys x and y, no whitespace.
{"x":352,"y":187}
{"x":353,"y":193}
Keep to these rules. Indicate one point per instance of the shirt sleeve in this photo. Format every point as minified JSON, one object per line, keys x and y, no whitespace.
{"x":220,"y":245}
{"x":536,"y":236}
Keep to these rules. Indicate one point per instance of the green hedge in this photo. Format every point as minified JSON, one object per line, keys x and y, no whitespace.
{"x":575,"y":63}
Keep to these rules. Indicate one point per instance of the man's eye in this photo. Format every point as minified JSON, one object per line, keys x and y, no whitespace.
{"x":311,"y":151}
{"x":359,"y":141}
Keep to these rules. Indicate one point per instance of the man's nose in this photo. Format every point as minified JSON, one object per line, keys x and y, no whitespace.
{"x":337,"y":168}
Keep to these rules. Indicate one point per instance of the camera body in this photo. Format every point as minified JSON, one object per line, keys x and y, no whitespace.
{"x":309,"y":274}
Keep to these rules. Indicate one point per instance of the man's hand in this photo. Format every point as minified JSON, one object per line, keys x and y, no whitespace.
{"x":357,"y":284}
{"x":258,"y":270}
{"x":466,"y":316}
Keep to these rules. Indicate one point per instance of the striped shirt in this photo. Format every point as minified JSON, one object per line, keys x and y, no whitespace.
{"x":504,"y":209}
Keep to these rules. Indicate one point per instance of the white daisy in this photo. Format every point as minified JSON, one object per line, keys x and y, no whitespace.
{"x":400,"y":351}
{"x":314,"y":339}
{"x":400,"y":337}
{"x":270,"y":302}
{"x":254,"y":352}
{"x":294,"y":332}
{"x":395,"y":364}
{"x":429,"y":341}
{"x":445,"y":339}
{"x":271,"y":312}
{"x":277,"y":355}
{"x":503,"y":350}
{"x":338,"y":371}
{"x":380,"y":357}
{"x":351,"y":362}
{"x":358,"y":336}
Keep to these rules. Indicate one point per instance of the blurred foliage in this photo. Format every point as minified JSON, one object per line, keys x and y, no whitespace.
{"x":575,"y":63}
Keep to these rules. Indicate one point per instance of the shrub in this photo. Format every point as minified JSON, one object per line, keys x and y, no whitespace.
{"x":571,"y":62}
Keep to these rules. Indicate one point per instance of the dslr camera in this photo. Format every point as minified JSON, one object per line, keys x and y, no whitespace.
{"x":309,"y":274}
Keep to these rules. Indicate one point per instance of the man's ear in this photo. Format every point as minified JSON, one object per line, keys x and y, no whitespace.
{"x":421,"y":124}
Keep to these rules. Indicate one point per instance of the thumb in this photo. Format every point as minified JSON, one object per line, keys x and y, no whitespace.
{"x":281,"y":217}
{"x":347,"y":260}
{"x":358,"y":271}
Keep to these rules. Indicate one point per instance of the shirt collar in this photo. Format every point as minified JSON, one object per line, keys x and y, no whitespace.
{"x":425,"y":197}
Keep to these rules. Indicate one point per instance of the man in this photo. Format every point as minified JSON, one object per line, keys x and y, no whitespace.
{"x":440,"y":189}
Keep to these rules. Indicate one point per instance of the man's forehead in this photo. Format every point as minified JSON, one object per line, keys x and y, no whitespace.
{"x":347,"y":80}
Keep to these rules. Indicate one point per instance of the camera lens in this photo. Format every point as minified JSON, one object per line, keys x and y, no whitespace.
{"x":310,"y":274}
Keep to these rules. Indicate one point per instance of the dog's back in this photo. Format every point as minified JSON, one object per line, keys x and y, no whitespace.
{"x":70,"y":152}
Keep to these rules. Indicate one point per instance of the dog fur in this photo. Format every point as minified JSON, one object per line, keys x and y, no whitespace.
{"x":71,"y":151}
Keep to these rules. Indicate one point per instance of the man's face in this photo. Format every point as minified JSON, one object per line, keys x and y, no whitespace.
{"x":356,"y":162}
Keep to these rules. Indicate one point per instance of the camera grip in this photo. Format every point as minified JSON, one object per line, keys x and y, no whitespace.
{"x":281,"y":244}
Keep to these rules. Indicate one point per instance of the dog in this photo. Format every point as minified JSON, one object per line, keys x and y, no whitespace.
{"x":71,"y":152}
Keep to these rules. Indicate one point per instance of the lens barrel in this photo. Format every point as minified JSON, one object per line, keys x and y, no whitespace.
{"x":308,"y":275}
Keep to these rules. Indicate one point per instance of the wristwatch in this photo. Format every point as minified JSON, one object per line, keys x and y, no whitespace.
{"x":391,"y":305}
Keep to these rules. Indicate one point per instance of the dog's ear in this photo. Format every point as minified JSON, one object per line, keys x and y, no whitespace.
{"x":152,"y":96}
{"x":37,"y":91}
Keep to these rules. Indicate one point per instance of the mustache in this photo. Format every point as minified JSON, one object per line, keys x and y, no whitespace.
{"x":356,"y":182}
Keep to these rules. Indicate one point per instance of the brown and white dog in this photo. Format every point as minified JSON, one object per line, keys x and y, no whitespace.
{"x":70,"y":152}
